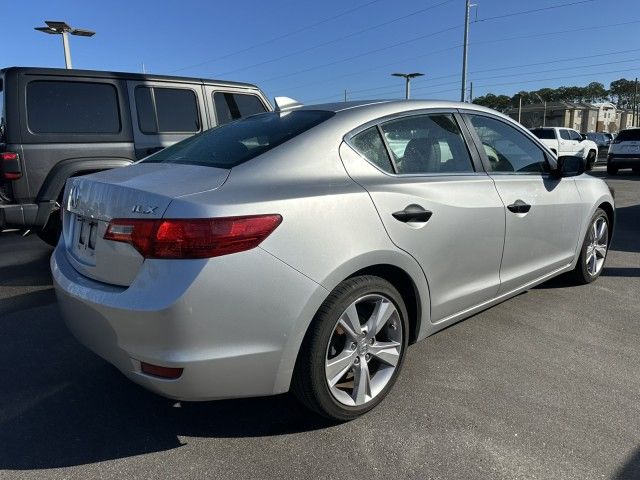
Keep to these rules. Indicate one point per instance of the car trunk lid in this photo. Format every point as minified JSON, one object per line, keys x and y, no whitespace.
{"x":139,"y":191}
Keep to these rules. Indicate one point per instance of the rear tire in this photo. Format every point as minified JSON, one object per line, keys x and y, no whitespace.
{"x":611,"y":170}
{"x":636,"y":169}
{"x":342,"y":373}
{"x":595,"y":247}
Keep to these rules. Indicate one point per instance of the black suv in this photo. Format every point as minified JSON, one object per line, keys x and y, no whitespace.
{"x":60,"y":123}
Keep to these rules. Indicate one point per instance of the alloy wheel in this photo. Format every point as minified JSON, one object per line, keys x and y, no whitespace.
{"x":597,"y":246}
{"x":364,"y":350}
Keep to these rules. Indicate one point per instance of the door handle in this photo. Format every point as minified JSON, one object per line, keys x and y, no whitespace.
{"x":519,"y":207}
{"x":413,"y":213}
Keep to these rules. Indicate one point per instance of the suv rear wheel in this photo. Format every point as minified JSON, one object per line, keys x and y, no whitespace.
{"x":354,"y":349}
{"x":611,"y":170}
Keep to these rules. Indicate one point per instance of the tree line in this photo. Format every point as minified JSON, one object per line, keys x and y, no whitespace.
{"x":620,"y":93}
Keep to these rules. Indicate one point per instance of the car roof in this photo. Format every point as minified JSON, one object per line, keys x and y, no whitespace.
{"x":410,"y":104}
{"x":120,"y":75}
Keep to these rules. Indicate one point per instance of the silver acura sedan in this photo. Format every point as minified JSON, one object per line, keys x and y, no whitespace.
{"x":304,"y":249}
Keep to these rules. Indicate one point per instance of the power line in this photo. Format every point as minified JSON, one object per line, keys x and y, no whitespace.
{"x":543,"y":34}
{"x":338,"y":39}
{"x":279,"y":37}
{"x":335,"y":62}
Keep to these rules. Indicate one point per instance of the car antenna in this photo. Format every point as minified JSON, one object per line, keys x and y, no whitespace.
{"x":285,"y":103}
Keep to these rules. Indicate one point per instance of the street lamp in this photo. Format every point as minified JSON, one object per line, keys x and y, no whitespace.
{"x":407,"y":77}
{"x":544,"y":118}
{"x":61,"y":28}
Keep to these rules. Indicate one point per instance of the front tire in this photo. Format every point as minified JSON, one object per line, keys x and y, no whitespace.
{"x":594,"y":249}
{"x":354,"y":349}
{"x":591,"y":160}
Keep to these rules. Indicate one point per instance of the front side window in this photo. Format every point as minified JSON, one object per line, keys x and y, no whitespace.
{"x":167,"y":110}
{"x":564,"y":134}
{"x":369,"y":144}
{"x":508,"y":150}
{"x":234,"y":143}
{"x":575,"y":135}
{"x":231,"y":106}
{"x":425,"y":144}
{"x":72,"y":107}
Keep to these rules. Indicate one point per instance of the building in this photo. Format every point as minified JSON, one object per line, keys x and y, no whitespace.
{"x":608,"y":118}
{"x":582,"y":117}
{"x":625,"y":119}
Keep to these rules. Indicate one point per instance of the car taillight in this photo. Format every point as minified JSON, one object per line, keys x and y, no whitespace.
{"x":10,"y":166}
{"x":192,"y":237}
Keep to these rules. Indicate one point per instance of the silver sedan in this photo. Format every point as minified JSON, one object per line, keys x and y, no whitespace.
{"x":304,"y":249}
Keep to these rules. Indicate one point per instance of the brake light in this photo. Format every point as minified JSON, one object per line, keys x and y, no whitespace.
{"x":10,"y":166}
{"x":192,"y":237}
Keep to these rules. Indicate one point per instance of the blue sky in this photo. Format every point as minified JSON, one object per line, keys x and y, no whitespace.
{"x":313,"y":51}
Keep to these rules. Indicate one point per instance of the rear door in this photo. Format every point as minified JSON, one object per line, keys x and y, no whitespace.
{"x":543,"y":212}
{"x":435,"y":202}
{"x":229,"y":103}
{"x":164,"y":113}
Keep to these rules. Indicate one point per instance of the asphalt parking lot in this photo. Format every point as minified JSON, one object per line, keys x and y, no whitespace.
{"x":546,"y":385}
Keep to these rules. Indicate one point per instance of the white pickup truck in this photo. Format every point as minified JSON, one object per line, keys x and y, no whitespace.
{"x":565,"y":141}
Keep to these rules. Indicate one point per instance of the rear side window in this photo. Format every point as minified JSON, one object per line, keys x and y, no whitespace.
{"x":167,"y":110}
{"x":72,"y":107}
{"x":544,"y":133}
{"x":234,"y":143}
{"x":231,"y":106}
{"x":369,"y":144}
{"x":632,"y":135}
{"x":424,"y":144}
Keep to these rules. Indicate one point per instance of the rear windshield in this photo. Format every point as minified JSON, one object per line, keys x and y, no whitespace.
{"x":234,"y":143}
{"x":544,"y":133}
{"x":632,"y":135}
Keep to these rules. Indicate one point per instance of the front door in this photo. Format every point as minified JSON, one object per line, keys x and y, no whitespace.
{"x":543,"y":212}
{"x":436,"y":203}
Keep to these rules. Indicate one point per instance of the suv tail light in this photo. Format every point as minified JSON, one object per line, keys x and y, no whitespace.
{"x":192,"y":237}
{"x":10,"y":166}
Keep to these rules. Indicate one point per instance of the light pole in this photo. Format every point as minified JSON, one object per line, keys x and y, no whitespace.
{"x":465,"y":49}
{"x":61,"y":28}
{"x":544,"y":117}
{"x":407,"y":77}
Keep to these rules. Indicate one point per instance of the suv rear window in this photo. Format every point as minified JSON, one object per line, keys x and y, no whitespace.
{"x":234,"y":143}
{"x":72,"y":107}
{"x":231,"y":106}
{"x":544,"y":133}
{"x":632,"y":135}
{"x":167,"y":110}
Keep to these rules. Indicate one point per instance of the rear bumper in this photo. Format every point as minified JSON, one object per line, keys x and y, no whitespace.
{"x":233,"y":323}
{"x":623,"y":161}
{"x":26,"y":215}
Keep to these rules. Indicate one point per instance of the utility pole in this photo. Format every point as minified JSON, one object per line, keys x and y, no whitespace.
{"x":471,"y":92}
{"x":345,"y":94}
{"x":519,"y":108}
{"x":407,"y":77}
{"x":634,"y":116}
{"x":544,"y":117}
{"x":61,"y":28}
{"x":467,"y":8}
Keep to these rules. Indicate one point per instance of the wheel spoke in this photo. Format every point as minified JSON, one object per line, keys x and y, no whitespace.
{"x":387,"y":352}
{"x":594,"y":231}
{"x":382,"y":312}
{"x":600,"y":250}
{"x":361,"y":383}
{"x":601,"y":230}
{"x":592,"y":269}
{"x":337,"y":367}
{"x":350,"y":321}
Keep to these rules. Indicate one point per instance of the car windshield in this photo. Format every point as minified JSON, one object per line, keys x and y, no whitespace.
{"x":237,"y":142}
{"x":632,"y":135}
{"x":544,"y":133}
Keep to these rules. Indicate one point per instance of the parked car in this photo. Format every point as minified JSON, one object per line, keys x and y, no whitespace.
{"x":565,"y":141}
{"x":61,"y":123}
{"x":624,"y":151}
{"x":602,"y":140}
{"x":297,"y":250}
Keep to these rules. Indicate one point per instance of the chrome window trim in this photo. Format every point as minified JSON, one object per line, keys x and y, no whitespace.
{"x":378,"y":122}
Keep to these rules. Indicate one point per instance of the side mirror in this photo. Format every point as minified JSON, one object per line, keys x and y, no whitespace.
{"x":569,"y":166}
{"x":583,"y":136}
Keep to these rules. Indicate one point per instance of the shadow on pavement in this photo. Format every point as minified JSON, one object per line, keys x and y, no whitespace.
{"x":631,"y":469}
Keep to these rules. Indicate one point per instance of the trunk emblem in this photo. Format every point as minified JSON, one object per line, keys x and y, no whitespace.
{"x":143,"y":209}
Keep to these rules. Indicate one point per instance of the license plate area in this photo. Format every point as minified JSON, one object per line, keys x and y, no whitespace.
{"x":85,"y":237}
